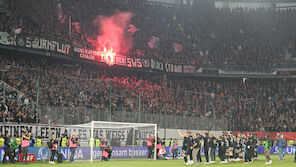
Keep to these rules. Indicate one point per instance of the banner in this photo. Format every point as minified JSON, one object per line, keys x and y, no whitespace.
{"x":177,"y":47}
{"x":83,"y":153}
{"x":173,"y":68}
{"x":156,"y":65}
{"x":30,"y":157}
{"x":55,"y":46}
{"x":83,"y":133}
{"x":188,"y":69}
{"x":34,"y":43}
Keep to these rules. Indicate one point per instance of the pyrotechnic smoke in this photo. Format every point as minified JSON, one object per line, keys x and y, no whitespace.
{"x":113,"y":31}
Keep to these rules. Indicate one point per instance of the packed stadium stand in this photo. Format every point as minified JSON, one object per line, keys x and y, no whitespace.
{"x":248,"y":41}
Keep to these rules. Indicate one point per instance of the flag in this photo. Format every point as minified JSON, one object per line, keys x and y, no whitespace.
{"x":239,"y":47}
{"x":70,"y":26}
{"x":61,"y":16}
{"x":153,"y":42}
{"x":17,"y":31}
{"x":76,"y":26}
{"x":213,"y":35}
{"x":132,"y":29}
{"x":201,"y":53}
{"x":177,"y":47}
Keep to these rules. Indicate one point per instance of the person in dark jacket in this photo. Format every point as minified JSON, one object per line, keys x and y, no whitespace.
{"x":7,"y":149}
{"x":248,"y":157}
{"x":213,"y":146}
{"x":221,"y":147}
{"x":206,"y":139}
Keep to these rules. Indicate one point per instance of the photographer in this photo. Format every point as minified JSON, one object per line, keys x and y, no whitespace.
{"x":7,"y":149}
{"x":25,"y":145}
{"x":53,"y":145}
{"x":73,"y":143}
{"x":281,"y":145}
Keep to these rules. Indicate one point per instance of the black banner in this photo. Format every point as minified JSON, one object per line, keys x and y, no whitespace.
{"x":61,"y":47}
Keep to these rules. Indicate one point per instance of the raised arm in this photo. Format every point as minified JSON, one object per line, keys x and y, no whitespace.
{"x":182,"y":135}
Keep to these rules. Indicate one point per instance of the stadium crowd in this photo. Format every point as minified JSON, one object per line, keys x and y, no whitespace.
{"x":219,"y":38}
{"x":252,"y":105}
{"x":222,"y":38}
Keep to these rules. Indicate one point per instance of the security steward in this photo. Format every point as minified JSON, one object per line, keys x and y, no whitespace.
{"x":63,"y":141}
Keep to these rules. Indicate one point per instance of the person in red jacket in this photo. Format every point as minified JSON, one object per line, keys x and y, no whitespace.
{"x":54,"y":148}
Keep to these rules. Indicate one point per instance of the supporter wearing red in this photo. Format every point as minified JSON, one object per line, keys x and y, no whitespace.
{"x":25,"y":146}
{"x":54,"y":148}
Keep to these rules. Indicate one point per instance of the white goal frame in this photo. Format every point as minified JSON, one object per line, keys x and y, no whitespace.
{"x":122,"y":125}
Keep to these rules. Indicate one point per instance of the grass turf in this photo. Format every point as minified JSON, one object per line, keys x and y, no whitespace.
{"x":288,"y":162}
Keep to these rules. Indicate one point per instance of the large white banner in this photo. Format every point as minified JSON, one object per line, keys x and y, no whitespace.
{"x":43,"y":131}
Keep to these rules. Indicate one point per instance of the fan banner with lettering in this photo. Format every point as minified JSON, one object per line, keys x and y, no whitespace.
{"x":41,"y":153}
{"x":59,"y":48}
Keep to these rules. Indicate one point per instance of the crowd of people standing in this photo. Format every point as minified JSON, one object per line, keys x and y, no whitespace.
{"x":228,"y":146}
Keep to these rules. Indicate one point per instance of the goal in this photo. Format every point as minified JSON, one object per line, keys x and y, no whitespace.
{"x":127,"y":140}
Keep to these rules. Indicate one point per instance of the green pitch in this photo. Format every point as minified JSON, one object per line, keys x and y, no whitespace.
{"x":288,"y":162}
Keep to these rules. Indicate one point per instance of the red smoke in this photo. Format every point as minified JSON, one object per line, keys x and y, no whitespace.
{"x":113,"y":32}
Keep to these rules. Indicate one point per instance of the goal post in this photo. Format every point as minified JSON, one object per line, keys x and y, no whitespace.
{"x":127,"y":139}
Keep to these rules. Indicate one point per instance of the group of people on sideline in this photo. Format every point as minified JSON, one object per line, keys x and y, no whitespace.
{"x":229,"y":147}
{"x":14,"y":146}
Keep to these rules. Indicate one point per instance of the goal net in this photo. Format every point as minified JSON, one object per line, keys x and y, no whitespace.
{"x":126,"y":140}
